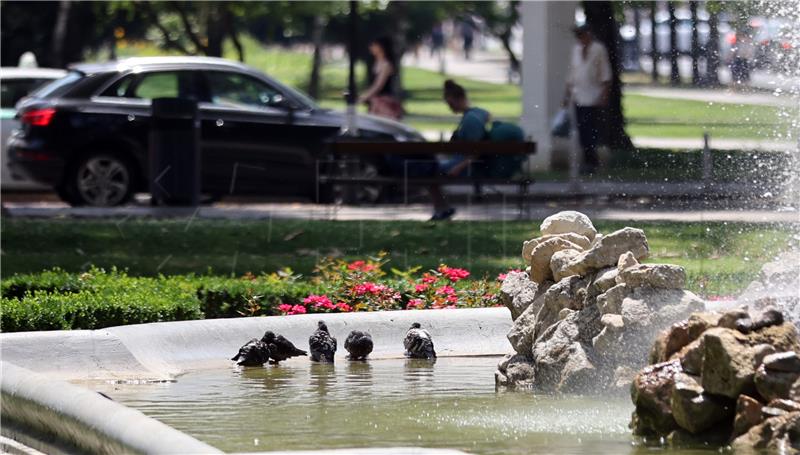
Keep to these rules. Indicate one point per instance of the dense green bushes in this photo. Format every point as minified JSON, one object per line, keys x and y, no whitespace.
{"x":57,"y":300}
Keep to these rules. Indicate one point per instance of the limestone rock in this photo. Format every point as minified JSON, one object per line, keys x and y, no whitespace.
{"x":680,"y":335}
{"x":654,"y":275}
{"x":529,"y":245}
{"x":773,"y":384}
{"x":623,"y":377}
{"x":515,"y":372}
{"x":568,"y":221}
{"x":541,"y":255}
{"x":605,"y":279}
{"x":731,"y":318}
{"x":775,"y":435}
{"x":693,"y":409}
{"x":794,"y":392}
{"x":524,"y":328}
{"x":728,"y":363}
{"x":607,"y":251}
{"x":748,"y":414}
{"x":518,"y":292}
{"x":568,"y":293}
{"x":691,"y":357}
{"x":559,"y":261}
{"x":651,"y":393}
{"x":783,"y":361}
{"x":784,"y":404}
{"x":611,"y":300}
{"x":626,"y":260}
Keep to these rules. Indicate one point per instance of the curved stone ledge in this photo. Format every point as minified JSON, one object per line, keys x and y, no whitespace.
{"x":164,"y":350}
{"x":56,"y":415}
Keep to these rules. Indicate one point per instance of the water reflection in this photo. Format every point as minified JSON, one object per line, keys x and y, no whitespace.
{"x":379,"y":403}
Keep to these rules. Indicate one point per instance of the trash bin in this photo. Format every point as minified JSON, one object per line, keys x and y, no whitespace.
{"x":174,"y":152}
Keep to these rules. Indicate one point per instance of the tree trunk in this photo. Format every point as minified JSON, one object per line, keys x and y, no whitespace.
{"x":653,"y":49}
{"x":600,"y":17}
{"x":230,"y":30}
{"x":214,"y":30}
{"x":505,"y":38}
{"x":316,"y":62}
{"x":60,"y":34}
{"x":674,"y":73}
{"x":712,"y":50}
{"x":695,"y":45}
{"x":399,"y":41}
{"x":637,"y":20}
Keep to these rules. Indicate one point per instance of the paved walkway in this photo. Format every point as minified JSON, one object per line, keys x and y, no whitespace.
{"x":635,"y":210}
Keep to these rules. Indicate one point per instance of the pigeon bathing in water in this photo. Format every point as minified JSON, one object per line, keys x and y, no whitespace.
{"x":254,"y":353}
{"x":418,"y":343}
{"x":280,"y":348}
{"x":358,"y":344}
{"x":322,"y":344}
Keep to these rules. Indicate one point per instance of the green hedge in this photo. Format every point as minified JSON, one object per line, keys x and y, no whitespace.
{"x":57,"y":300}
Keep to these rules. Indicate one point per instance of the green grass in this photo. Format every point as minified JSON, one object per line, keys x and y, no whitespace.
{"x":720,"y":258}
{"x":646,"y":115}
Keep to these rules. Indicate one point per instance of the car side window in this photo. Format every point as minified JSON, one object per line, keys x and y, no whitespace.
{"x":157,"y":85}
{"x":119,"y":88}
{"x":240,"y":90}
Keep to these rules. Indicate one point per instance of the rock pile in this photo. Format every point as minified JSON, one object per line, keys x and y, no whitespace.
{"x":722,"y":378}
{"x":585,"y":311}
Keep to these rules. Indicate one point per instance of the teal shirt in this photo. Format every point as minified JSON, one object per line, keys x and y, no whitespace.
{"x":472,"y":126}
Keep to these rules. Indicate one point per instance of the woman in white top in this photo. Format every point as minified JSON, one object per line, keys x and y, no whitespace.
{"x":588,"y":88}
{"x":381,"y":96}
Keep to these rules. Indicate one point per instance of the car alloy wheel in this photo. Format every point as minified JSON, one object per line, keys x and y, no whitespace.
{"x":103,"y":181}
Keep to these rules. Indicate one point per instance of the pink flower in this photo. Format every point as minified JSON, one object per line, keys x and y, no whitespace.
{"x":319,"y":301}
{"x":298,"y":309}
{"x":369,"y":288}
{"x":452,"y":298}
{"x":422,"y":287}
{"x":343,"y":307}
{"x":284,"y":308}
{"x":414,"y":303}
{"x":445,"y":290}
{"x":361,"y":266}
{"x":453,"y":274}
{"x":428,"y":278}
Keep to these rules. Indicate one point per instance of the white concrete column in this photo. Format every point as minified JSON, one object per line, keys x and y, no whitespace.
{"x":547,"y":42}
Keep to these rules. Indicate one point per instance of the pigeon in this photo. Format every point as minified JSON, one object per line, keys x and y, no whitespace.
{"x":358,"y":344}
{"x":322,"y":344}
{"x":280,"y":348}
{"x":254,"y":353}
{"x":418,"y":343}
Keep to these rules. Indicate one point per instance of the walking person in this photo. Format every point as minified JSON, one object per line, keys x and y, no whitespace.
{"x":381,"y":96}
{"x":588,"y":88}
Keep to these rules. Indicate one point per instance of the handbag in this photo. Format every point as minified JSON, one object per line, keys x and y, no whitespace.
{"x":561,"y":124}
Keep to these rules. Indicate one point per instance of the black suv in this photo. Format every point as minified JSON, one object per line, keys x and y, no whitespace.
{"x":86,"y":135}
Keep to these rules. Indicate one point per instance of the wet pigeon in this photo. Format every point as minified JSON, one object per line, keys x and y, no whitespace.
{"x":358,"y":344}
{"x":254,"y":353}
{"x":280,"y":348}
{"x":322,"y":344}
{"x":418,"y":343}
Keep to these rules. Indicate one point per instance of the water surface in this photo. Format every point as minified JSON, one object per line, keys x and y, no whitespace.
{"x":381,"y":403}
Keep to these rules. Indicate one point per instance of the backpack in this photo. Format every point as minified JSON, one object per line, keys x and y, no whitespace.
{"x":504,"y":166}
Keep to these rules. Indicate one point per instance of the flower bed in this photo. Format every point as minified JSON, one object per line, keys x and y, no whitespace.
{"x":57,"y":300}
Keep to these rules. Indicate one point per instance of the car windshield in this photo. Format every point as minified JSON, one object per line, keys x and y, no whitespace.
{"x":14,"y":89}
{"x":58,"y":86}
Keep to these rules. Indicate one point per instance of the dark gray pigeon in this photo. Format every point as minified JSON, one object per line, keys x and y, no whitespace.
{"x":254,"y":353}
{"x":358,"y":344}
{"x":280,"y":348}
{"x":418,"y":343}
{"x":322,"y":345}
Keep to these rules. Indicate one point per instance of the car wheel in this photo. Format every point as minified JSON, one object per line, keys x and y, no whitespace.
{"x":102,"y":180}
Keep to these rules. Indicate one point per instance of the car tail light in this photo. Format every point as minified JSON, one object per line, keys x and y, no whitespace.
{"x":39,"y":117}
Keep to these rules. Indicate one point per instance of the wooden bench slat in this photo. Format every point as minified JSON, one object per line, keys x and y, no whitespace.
{"x":433,"y":148}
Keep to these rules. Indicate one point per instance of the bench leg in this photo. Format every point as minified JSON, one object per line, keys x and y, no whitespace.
{"x":523,"y":200}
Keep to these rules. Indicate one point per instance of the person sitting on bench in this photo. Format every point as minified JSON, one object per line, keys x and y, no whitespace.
{"x":472,"y":127}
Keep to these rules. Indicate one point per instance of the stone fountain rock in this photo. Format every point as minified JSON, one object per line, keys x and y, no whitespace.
{"x":586,"y":311}
{"x":723,"y":378}
{"x":777,"y":285}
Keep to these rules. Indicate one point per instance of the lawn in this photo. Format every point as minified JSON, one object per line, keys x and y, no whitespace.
{"x":720,"y":258}
{"x":647,"y":116}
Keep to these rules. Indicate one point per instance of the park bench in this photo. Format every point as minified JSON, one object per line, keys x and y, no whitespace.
{"x":349,"y":153}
